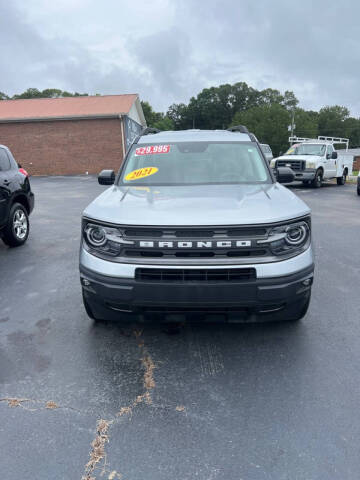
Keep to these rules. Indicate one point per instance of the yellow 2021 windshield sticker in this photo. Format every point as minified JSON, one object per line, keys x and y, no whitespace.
{"x":141,"y":173}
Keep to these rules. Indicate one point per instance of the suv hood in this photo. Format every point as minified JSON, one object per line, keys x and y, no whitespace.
{"x":196,"y":205}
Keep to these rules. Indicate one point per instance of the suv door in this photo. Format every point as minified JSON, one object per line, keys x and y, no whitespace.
{"x":5,"y":184}
{"x":330,"y":163}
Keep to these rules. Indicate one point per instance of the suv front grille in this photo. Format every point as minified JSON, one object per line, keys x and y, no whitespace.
{"x":194,"y":275}
{"x":217,"y":242}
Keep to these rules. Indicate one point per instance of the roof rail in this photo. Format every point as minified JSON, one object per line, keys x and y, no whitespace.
{"x":149,"y":130}
{"x":299,"y":139}
{"x":238,"y":128}
{"x":321,"y":138}
{"x":335,"y":140}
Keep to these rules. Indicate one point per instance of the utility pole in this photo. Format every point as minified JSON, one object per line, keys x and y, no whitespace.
{"x":292,"y":122}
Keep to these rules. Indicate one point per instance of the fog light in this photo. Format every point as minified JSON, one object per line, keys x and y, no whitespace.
{"x":85,"y":282}
{"x":307,"y":282}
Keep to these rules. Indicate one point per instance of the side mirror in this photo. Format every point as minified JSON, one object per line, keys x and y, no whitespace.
{"x":106,"y":177}
{"x":334,"y":155}
{"x":328,"y":155}
{"x":285,"y":175}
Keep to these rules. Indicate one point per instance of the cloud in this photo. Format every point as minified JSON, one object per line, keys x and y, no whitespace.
{"x":168,"y":51}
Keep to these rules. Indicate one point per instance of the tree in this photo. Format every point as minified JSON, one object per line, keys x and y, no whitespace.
{"x":164,"y":124}
{"x":156,"y":119}
{"x":3,"y":96}
{"x":332,"y":121}
{"x":29,"y":93}
{"x":47,"y":93}
{"x":151,"y":117}
{"x":306,"y":123}
{"x":269,"y":123}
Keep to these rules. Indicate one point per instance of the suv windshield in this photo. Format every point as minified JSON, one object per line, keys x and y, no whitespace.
{"x":194,"y":163}
{"x":307,"y":149}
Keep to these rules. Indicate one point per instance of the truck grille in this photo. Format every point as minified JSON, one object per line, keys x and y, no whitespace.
{"x":296,"y":165}
{"x":194,"y":275}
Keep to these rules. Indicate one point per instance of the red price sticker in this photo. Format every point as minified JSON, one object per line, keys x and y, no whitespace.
{"x":152,"y":150}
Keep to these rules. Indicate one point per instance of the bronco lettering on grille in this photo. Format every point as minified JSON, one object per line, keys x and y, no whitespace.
{"x":198,"y":244}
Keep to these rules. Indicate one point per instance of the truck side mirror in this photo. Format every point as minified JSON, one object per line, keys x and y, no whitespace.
{"x":334,"y":155}
{"x":106,"y":177}
{"x":285,"y":175}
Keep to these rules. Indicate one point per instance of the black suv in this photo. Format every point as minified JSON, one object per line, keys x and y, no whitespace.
{"x":16,"y":200}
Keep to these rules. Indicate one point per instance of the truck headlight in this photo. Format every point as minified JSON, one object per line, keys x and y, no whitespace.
{"x":310,"y":164}
{"x":273,"y":164}
{"x":291,"y":238}
{"x":103,"y":239}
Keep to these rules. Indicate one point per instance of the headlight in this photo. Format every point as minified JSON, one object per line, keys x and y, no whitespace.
{"x":273,"y":163}
{"x":289,"y":239}
{"x":296,"y":234}
{"x":310,"y":164}
{"x":95,"y":235}
{"x":103,"y":239}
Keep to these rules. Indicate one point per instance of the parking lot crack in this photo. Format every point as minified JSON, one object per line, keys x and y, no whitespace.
{"x":97,"y":454}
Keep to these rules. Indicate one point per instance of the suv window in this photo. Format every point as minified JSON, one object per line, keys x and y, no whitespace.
{"x":194,"y":163}
{"x":4,"y":161}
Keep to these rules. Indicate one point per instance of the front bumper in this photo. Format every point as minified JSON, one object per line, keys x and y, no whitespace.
{"x":279,"y":289}
{"x":304,"y":175}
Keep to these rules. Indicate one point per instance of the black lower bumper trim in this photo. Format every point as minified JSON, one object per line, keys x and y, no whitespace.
{"x":110,"y":296}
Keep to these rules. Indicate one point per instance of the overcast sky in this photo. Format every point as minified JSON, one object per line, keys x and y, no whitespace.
{"x":168,"y":50}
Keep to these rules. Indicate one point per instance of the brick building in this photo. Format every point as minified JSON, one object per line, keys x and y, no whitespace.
{"x":72,"y":135}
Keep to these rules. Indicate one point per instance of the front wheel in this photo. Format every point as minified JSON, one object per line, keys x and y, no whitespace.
{"x":16,"y":231}
{"x":341,"y":180}
{"x":317,"y":182}
{"x":358,"y":191}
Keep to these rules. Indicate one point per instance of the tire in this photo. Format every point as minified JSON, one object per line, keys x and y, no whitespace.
{"x":306,"y":183}
{"x":17,"y":229}
{"x":341,"y":180}
{"x":358,"y":191}
{"x":317,"y":182}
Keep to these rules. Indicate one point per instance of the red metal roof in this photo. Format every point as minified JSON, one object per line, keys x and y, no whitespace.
{"x":68,"y":107}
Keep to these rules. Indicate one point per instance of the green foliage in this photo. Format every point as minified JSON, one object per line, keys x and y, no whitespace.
{"x":3,"y":96}
{"x":269,"y":123}
{"x":47,"y":93}
{"x":332,"y":120}
{"x":156,"y":119}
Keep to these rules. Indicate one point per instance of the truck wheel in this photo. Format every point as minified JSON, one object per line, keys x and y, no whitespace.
{"x":16,"y":231}
{"x":317,"y":182}
{"x":306,"y":182}
{"x":358,"y":191}
{"x":341,"y":180}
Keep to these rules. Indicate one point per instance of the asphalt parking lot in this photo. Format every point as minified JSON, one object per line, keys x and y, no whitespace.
{"x":232,"y":402}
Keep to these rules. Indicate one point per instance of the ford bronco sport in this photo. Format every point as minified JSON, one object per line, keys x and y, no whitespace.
{"x":196,"y":221}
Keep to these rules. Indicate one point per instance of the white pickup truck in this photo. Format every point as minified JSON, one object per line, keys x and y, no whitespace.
{"x":315,"y":160}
